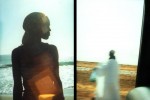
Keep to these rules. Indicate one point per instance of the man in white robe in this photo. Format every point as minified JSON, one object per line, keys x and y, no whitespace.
{"x":107,"y":80}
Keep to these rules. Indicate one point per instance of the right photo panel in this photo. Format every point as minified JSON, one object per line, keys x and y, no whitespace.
{"x":108,"y":46}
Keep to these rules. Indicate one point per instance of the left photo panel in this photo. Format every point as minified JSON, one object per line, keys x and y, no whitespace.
{"x":37,"y":50}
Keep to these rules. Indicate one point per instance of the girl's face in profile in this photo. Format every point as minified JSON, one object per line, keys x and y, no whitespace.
{"x":45,"y":27}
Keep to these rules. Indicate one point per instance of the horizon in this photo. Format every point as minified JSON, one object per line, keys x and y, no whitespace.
{"x":105,"y":62}
{"x":69,"y":58}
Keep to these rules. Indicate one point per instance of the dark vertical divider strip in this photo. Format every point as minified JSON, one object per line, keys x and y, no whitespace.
{"x":75,"y":48}
{"x":143,"y":70}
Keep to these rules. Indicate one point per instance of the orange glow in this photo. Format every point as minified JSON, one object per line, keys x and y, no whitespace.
{"x":46,"y":96}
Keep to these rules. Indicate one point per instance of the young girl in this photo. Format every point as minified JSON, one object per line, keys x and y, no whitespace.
{"x":35,"y":64}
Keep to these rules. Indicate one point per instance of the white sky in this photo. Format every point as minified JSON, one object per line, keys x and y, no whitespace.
{"x":60,"y":13}
{"x":103,"y":25}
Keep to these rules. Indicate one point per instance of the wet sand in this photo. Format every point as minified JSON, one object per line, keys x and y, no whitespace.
{"x":85,"y":89}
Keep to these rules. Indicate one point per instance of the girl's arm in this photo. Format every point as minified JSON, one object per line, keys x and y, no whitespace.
{"x":17,"y":89}
{"x":56,"y":59}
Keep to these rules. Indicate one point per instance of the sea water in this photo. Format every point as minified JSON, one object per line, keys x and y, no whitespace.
{"x":6,"y":79}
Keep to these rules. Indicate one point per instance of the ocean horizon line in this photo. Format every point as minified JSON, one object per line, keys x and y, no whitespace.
{"x":64,"y":63}
{"x":60,"y":58}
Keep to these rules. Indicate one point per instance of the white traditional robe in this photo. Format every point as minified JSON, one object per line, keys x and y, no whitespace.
{"x":107,"y":81}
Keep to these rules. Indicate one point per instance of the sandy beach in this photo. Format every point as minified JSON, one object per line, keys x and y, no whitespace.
{"x":85,"y":88}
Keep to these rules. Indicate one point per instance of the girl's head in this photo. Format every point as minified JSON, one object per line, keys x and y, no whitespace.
{"x":36,"y":25}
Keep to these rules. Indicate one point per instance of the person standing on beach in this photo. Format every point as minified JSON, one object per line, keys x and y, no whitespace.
{"x":35,"y":64}
{"x":107,"y":80}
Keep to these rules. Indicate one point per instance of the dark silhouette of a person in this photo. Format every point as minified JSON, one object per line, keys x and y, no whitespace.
{"x":35,"y":64}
